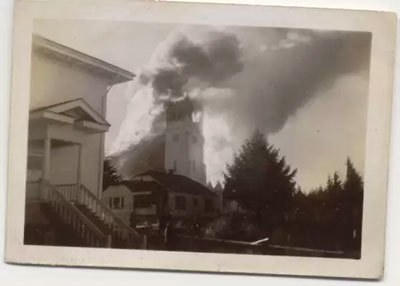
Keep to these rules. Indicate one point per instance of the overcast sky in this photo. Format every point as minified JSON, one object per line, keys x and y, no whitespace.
{"x":306,"y":90}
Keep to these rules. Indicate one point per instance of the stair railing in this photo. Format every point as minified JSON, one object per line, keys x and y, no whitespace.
{"x":122,"y":232}
{"x":85,"y":229}
{"x":69,"y":191}
{"x":121,"y":229}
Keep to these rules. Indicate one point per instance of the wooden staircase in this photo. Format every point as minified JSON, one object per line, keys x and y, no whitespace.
{"x":92,"y":222}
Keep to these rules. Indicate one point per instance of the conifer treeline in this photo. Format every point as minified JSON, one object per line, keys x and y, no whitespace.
{"x":328,"y":217}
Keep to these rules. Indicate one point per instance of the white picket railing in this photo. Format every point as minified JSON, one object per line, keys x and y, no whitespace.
{"x":120,"y":229}
{"x":84,"y":228}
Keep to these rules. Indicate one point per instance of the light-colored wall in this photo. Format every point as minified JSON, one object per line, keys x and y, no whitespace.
{"x":64,"y":164}
{"x":185,"y":151}
{"x":64,"y":160}
{"x":53,"y":82}
{"x":120,"y":191}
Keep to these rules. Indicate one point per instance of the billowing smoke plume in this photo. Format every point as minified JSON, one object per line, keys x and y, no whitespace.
{"x":178,"y":65}
{"x":243,"y":78}
{"x":182,"y":61}
{"x":277,"y":82}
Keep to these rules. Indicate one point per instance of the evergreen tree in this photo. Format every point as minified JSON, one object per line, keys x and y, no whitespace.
{"x":260,"y":180}
{"x":353,"y":205}
{"x":353,"y":182}
{"x":110,"y":174}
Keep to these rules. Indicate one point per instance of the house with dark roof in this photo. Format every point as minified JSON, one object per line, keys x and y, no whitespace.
{"x":155,"y":193}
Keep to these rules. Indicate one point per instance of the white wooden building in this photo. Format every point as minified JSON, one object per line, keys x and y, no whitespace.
{"x":66,"y":143}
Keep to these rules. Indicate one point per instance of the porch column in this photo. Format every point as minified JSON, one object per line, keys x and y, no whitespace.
{"x":80,"y":165}
{"x":46,"y":159}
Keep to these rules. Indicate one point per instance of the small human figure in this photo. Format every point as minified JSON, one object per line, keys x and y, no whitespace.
{"x":196,"y":227}
{"x":169,"y":235}
{"x":163,"y":218}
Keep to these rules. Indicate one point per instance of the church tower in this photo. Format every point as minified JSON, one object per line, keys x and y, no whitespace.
{"x":184,"y":142}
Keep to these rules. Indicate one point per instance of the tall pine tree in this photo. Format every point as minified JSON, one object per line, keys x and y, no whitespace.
{"x":353,"y":206}
{"x":260,"y":180}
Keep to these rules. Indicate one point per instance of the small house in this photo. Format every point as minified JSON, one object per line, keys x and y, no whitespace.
{"x":154,"y":193}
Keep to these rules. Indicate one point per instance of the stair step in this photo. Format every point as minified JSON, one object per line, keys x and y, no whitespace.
{"x":116,"y":241}
{"x":94,"y":218}
{"x":64,"y":234}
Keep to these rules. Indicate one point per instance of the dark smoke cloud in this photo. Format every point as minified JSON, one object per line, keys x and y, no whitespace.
{"x":276,"y":83}
{"x":209,"y":62}
{"x":181,"y":64}
{"x":268,"y":74}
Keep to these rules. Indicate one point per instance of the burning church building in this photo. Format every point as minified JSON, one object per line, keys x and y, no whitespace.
{"x":168,"y":173}
{"x":174,"y":146}
{"x":184,"y":141}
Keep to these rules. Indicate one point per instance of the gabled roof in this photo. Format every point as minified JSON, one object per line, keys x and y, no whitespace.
{"x":75,"y":112}
{"x":174,"y":182}
{"x":76,"y":108}
{"x":80,"y":60}
{"x":139,"y":186}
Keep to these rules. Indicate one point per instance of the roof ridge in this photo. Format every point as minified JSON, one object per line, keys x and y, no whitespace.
{"x":119,"y":74}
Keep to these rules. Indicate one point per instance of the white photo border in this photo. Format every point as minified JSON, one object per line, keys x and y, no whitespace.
{"x":382,"y":25}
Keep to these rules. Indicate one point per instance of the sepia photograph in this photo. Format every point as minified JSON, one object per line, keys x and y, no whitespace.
{"x":195,"y":137}
{"x":213,"y":139}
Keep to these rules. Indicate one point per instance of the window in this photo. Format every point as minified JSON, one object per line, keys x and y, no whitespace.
{"x":175,"y":137}
{"x":180,"y":202}
{"x":142,"y":201}
{"x":116,"y":202}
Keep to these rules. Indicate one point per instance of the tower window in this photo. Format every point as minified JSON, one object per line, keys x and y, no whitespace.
{"x":176,"y":137}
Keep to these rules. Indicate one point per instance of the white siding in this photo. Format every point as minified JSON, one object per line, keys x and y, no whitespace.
{"x":120,"y":191}
{"x":53,"y":82}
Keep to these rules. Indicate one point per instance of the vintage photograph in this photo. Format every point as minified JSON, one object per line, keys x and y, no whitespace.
{"x":200,"y":137}
{"x":221,"y":139}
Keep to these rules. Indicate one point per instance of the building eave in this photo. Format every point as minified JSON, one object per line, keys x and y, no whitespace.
{"x":81,"y":60}
{"x":91,"y":127}
{"x":51,"y":117}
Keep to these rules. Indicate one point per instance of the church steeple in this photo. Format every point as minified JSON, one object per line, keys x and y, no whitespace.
{"x":184,"y":146}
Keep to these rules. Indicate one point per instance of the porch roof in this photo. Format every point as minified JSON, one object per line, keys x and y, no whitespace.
{"x":75,"y":112}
